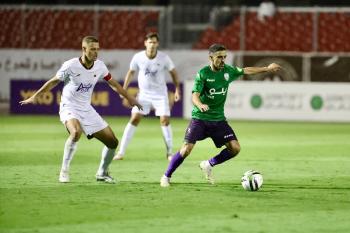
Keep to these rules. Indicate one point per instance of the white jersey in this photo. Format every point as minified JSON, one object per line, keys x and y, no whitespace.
{"x":152,"y":73}
{"x":79,"y":82}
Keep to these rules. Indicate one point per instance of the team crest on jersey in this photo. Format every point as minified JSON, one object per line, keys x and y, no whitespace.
{"x":226,"y":76}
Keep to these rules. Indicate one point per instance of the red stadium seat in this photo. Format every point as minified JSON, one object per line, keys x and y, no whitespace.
{"x":282,"y":32}
{"x":10,"y":20}
{"x":331,"y":24}
{"x":117,"y":25}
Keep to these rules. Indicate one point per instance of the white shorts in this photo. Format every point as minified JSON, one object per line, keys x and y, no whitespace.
{"x":160,"y":104}
{"x":90,"y":121}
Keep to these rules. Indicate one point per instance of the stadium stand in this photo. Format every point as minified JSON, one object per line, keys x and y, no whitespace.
{"x":334,"y":32}
{"x":291,"y":29}
{"x":10,"y":19}
{"x":286,"y":31}
{"x":63,"y":29}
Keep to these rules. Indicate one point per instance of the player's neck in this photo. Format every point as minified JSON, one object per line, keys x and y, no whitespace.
{"x":213,"y":68}
{"x":151,"y":54}
{"x":86,"y":62}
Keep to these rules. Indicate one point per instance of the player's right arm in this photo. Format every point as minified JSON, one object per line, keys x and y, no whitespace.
{"x":198,"y":103}
{"x":196,"y":90}
{"x":46,"y":87}
{"x":128,"y":77}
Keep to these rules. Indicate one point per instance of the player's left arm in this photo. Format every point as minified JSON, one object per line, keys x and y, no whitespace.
{"x":119,"y":89}
{"x":176,"y":82}
{"x":273,"y":67}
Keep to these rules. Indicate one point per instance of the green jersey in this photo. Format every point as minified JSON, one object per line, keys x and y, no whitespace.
{"x":212,"y":87}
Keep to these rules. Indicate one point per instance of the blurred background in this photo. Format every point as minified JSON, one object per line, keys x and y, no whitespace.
{"x":310,"y":39}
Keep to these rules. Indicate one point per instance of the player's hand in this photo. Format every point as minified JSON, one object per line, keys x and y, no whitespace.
{"x":139,"y":106}
{"x":177,"y":95}
{"x":30,"y":100}
{"x":133,"y":102}
{"x":203,"y":107}
{"x":273,"y":67}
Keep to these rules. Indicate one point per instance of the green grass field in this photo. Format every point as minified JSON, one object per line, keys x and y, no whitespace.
{"x":306,"y":169}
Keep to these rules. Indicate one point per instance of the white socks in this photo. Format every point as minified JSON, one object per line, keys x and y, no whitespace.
{"x":106,"y":159}
{"x":168,"y":138}
{"x":69,"y":150}
{"x":127,"y":135}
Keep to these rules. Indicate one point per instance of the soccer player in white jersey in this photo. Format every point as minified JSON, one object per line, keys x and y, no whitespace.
{"x":80,"y":76}
{"x":152,"y":66}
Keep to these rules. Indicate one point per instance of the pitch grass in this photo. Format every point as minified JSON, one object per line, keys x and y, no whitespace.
{"x":306,"y":168}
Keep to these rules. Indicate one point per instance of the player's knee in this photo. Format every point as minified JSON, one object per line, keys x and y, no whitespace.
{"x":164,"y":121}
{"x":113,"y":144}
{"x":75,"y":134}
{"x":186,"y":150}
{"x":135,"y":121}
{"x":234,"y":150}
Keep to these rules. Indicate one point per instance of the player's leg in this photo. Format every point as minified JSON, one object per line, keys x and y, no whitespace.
{"x":175,"y":162}
{"x":107,"y":137}
{"x":130,"y":128}
{"x":167,"y":135}
{"x":74,"y":128}
{"x":231,"y":150}
{"x":194,"y":132}
{"x":162,"y":109}
{"x":222,"y":134}
{"x":128,"y":133}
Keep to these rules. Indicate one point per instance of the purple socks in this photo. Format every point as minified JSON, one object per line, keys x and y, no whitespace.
{"x":220,"y":158}
{"x":177,"y":160}
{"x":173,"y":164}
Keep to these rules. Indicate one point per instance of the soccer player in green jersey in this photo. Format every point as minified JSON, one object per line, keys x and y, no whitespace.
{"x":208,"y":119}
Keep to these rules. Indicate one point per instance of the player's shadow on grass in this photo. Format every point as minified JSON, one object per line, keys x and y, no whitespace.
{"x":276,"y":187}
{"x":218,"y":185}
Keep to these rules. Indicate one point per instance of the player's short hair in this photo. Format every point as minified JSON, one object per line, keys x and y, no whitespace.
{"x":151,"y":35}
{"x":89,"y":39}
{"x":216,"y":47}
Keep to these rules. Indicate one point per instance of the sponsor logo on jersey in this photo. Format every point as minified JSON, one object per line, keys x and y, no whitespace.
{"x":150,"y":73}
{"x":210,"y":80}
{"x":213,"y":91}
{"x":84,"y":88}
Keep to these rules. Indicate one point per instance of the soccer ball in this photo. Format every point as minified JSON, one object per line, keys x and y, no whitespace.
{"x":252,"y":180}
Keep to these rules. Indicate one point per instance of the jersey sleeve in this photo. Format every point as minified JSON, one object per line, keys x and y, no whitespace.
{"x":236,"y":72}
{"x":64,"y":71}
{"x":169,"y":63}
{"x":133,"y":63}
{"x":105,"y":73}
{"x":198,"y":84}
